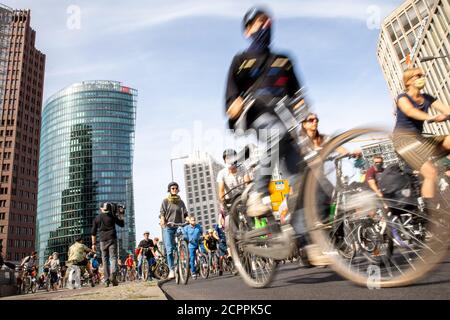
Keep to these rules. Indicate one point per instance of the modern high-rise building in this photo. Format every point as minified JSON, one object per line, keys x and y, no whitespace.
{"x":87,"y":143}
{"x":200,"y":174}
{"x":21,"y":104}
{"x":384,"y":148}
{"x":415,"y":30}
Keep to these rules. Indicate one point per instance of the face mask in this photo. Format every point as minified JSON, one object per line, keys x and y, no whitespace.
{"x":261,"y":39}
{"x":420,"y":83}
{"x":379,"y":166}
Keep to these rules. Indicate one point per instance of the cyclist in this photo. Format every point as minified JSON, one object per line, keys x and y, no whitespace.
{"x":54,"y":268}
{"x":173,"y":210}
{"x":211,"y":242}
{"x":222,"y":249}
{"x":129,"y":263}
{"x":158,"y":247}
{"x":146,"y":252}
{"x":77,"y":256}
{"x":372,"y":174}
{"x":413,"y":147}
{"x":192,"y":233}
{"x":95,"y":265}
{"x":229,"y":178}
{"x":269,"y":77}
{"x":29,"y":263}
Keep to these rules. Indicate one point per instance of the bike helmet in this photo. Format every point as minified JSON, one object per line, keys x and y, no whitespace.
{"x":171,"y":185}
{"x":229,"y":153}
{"x":252,"y":14}
{"x":210,"y":230}
{"x":146,"y":232}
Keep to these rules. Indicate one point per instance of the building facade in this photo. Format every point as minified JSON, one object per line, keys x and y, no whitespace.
{"x":200,"y":175}
{"x":22,"y":94}
{"x":87,"y":144}
{"x":415,"y":30}
{"x":384,"y":148}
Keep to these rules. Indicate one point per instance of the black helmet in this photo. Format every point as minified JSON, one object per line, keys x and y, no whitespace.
{"x":229,"y":153}
{"x":171,"y":185}
{"x":251,"y":15}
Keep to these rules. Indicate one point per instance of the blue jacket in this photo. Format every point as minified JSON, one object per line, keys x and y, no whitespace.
{"x":192,"y":234}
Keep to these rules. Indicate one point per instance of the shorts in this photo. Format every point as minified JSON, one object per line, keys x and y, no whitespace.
{"x":416,"y":149}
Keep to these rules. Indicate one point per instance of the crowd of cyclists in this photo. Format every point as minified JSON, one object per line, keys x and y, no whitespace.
{"x":156,"y":259}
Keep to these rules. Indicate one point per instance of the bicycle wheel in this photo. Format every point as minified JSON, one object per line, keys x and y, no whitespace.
{"x":203,"y":266}
{"x":162,"y":271}
{"x":176,"y":266}
{"x":184,"y":262}
{"x":257,"y":272}
{"x":144,"y":269}
{"x":395,"y":240}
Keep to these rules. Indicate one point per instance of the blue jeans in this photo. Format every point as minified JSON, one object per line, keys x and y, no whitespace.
{"x":169,"y":244}
{"x":150,"y":261}
{"x":192,"y":250}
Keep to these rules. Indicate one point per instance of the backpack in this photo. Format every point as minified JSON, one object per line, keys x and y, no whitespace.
{"x":397,"y":185}
{"x":95,"y":263}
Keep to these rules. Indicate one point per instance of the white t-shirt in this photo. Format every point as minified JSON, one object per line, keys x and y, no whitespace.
{"x":231,"y":180}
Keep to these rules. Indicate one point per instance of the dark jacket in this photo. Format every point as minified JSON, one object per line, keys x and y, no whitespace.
{"x":106,"y":224}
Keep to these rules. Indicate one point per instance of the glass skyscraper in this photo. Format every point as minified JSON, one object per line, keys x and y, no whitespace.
{"x":86,"y":158}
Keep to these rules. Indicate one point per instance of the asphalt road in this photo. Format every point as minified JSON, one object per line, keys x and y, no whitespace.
{"x":294,"y":282}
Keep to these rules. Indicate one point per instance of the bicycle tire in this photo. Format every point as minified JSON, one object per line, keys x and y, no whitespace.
{"x":176,"y":267}
{"x":203,"y":266}
{"x":162,"y":271}
{"x":144,"y":268}
{"x":432,"y":252}
{"x":184,"y":262}
{"x":255,"y":275}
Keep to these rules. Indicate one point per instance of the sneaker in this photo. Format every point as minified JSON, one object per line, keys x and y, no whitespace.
{"x":171,"y":275}
{"x":220,"y":272}
{"x":258,"y":206}
{"x":194,"y":276}
{"x":107,"y":282}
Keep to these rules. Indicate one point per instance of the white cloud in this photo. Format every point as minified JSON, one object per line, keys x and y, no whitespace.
{"x":133,"y":15}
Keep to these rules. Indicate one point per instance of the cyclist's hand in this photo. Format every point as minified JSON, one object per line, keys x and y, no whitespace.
{"x":379,"y":194}
{"x":439,"y":118}
{"x":235,"y":108}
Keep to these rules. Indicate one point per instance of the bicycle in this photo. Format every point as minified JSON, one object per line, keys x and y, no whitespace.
{"x":180,"y":255}
{"x":202,"y":263}
{"x":160,"y":269}
{"x":258,"y":248}
{"x":144,"y":264}
{"x":29,"y":283}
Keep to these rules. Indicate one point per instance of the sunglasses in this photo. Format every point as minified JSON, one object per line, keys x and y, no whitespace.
{"x":311,"y":120}
{"x":174,"y":188}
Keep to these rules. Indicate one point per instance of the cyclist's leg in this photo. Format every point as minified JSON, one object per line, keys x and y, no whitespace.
{"x":169,"y":243}
{"x":278,"y":149}
{"x":192,"y":251}
{"x":139,"y":266}
{"x":416,"y":150}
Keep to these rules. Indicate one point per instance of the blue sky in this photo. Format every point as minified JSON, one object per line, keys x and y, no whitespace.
{"x":176,"y":53}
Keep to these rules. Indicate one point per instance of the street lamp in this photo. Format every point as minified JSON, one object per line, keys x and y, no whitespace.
{"x":171,"y":163}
